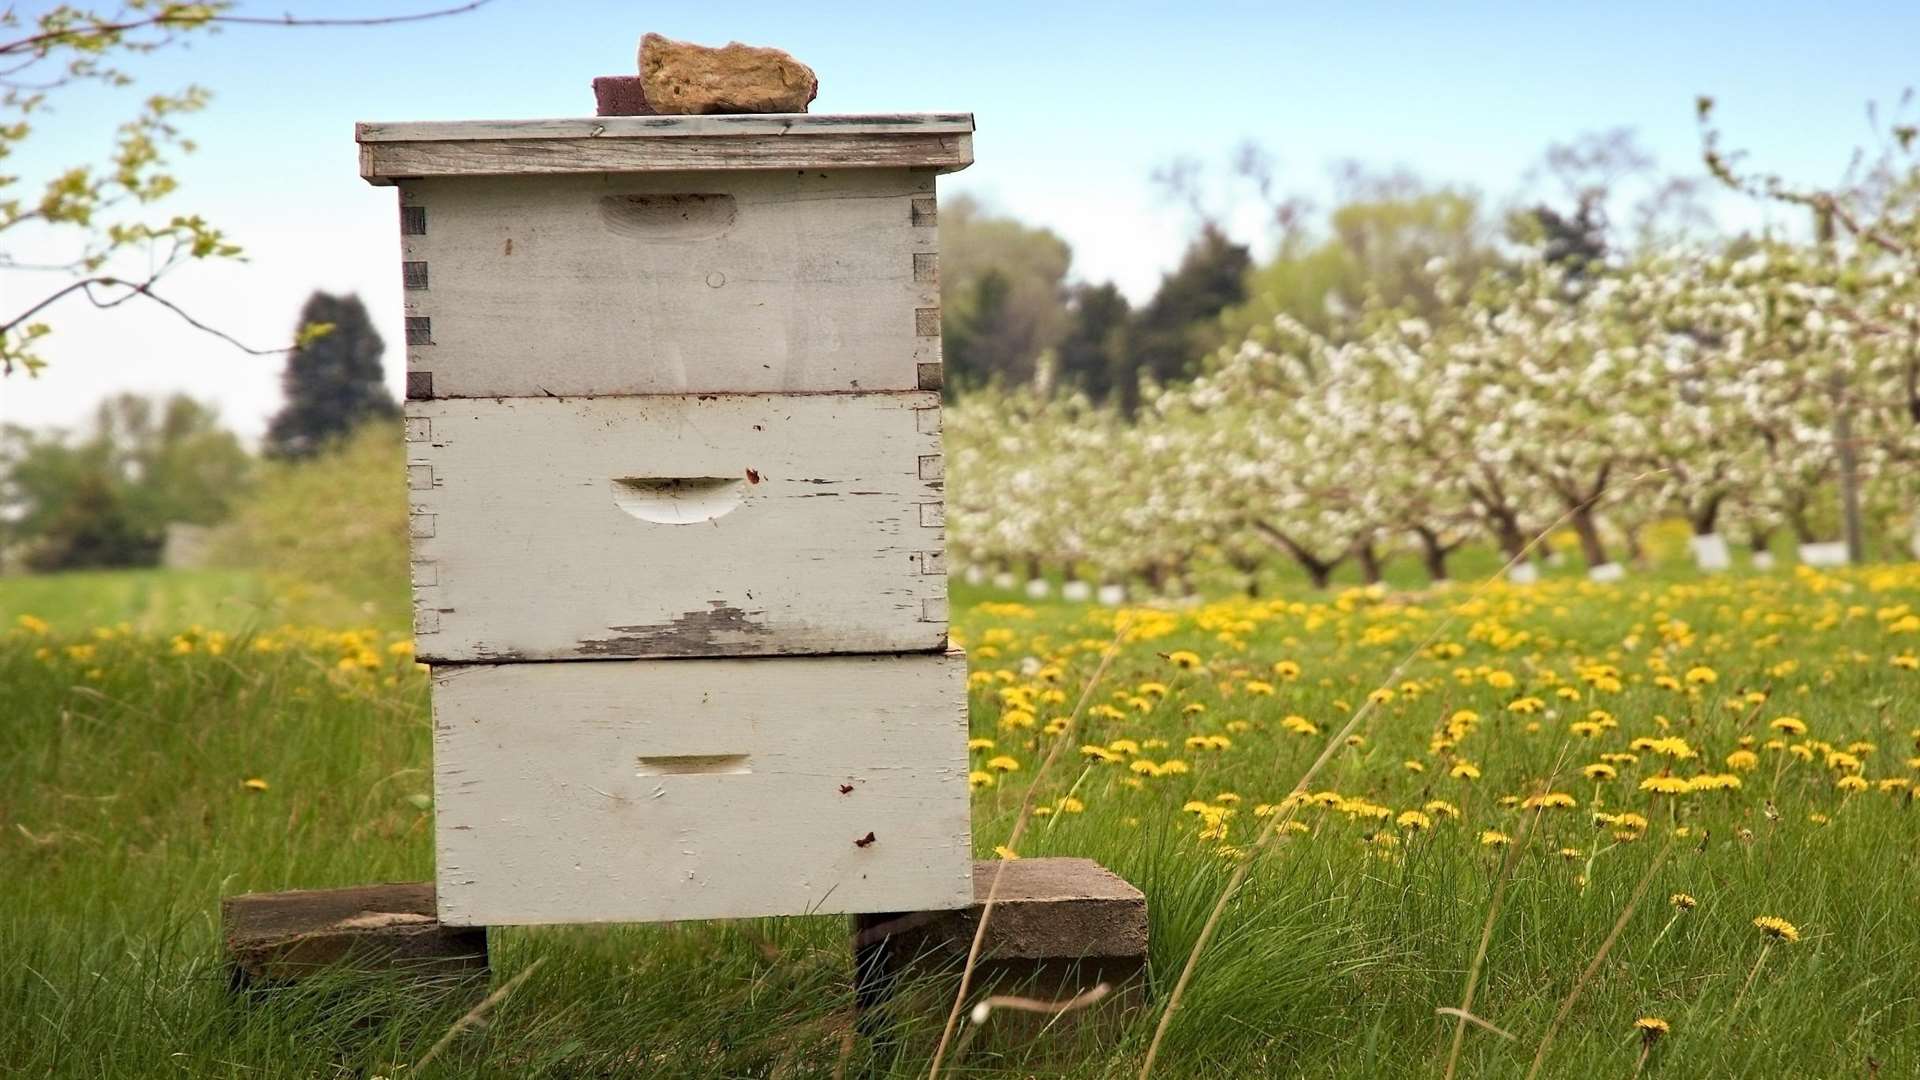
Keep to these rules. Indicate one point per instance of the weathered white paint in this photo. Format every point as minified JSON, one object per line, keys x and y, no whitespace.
{"x":389,"y":152}
{"x":1523,"y":573}
{"x":744,"y":126}
{"x":667,"y":283}
{"x":1710,"y":552}
{"x":646,"y":790}
{"x":1606,"y":572}
{"x":526,"y":545}
{"x":1828,"y":553}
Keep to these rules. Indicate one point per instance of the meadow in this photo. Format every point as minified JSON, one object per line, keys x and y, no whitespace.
{"x":170,"y":738}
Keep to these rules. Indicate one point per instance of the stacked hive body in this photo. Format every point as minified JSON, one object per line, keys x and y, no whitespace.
{"x":673,"y":452}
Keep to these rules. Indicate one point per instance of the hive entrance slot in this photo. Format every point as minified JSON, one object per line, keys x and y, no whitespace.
{"x":677,"y":500}
{"x":693,"y":764}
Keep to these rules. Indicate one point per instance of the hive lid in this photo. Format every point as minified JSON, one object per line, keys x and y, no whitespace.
{"x":942,"y":142}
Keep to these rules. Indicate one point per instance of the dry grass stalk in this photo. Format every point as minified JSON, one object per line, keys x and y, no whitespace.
{"x":1493,"y":916}
{"x":1448,"y":1010}
{"x":476,"y":1014}
{"x":1619,"y":925}
{"x":1060,"y":742}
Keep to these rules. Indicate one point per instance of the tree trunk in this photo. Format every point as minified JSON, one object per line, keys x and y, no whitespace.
{"x":1433,"y":553}
{"x":1706,"y":517}
{"x":1319,"y":571}
{"x":1369,"y":559}
{"x":1636,"y":552}
{"x":1587,"y":528}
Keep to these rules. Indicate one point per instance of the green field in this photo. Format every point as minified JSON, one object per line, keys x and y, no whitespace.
{"x":125,"y":813}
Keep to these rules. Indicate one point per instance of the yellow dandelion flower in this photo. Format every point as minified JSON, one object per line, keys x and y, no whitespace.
{"x":254,"y":783}
{"x":979,"y":778}
{"x":1495,"y":838}
{"x":1743,"y":760}
{"x":1666,"y":784}
{"x":1184,"y":659}
{"x":1683,"y":901}
{"x":1777,"y":928}
{"x":1005,"y":852}
{"x":1851,"y":783}
{"x":1792,"y":725}
{"x":1599,"y":770}
{"x":1003,"y":763}
{"x":1464,"y":770}
{"x":1413,"y":819}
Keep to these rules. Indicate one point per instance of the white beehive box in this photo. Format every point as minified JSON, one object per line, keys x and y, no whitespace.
{"x":672,"y":393}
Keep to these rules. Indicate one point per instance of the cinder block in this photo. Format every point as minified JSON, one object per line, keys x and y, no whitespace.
{"x":284,"y":936}
{"x":1059,"y":928}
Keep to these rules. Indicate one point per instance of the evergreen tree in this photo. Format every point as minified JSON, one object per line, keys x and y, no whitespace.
{"x":1093,"y":352}
{"x":1179,"y":324}
{"x":333,"y":380}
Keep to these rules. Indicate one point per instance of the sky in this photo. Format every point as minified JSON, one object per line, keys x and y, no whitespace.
{"x":1075,"y":104}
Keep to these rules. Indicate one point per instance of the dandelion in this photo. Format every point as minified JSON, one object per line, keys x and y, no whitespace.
{"x":254,"y":783}
{"x":1005,"y":852}
{"x":1495,"y":838}
{"x":1003,"y":763}
{"x":1413,"y":819}
{"x":1184,"y":659}
{"x":1599,"y":770}
{"x":1666,"y":784}
{"x":1287,"y":670}
{"x":1464,"y":770}
{"x":1683,"y":901}
{"x":1792,"y":725}
{"x":1851,"y":784}
{"x":1743,"y":760}
{"x":1773,"y":929}
{"x":1651,"y":1028}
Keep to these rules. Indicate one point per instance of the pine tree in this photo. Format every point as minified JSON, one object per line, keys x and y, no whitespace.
{"x":333,"y":381}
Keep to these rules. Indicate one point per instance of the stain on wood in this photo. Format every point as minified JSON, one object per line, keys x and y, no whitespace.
{"x":718,"y":630}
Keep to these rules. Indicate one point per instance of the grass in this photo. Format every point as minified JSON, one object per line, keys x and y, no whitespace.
{"x":124,"y":816}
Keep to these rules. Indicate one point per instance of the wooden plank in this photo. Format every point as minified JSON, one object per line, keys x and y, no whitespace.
{"x":711,"y":525}
{"x":385,"y":162}
{"x":672,"y":283}
{"x":631,"y":127}
{"x":815,"y":785}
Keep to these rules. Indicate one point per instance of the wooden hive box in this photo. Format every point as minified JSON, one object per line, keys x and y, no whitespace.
{"x":673,"y":409}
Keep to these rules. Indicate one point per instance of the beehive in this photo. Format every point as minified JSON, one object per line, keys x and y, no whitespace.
{"x":673,"y":435}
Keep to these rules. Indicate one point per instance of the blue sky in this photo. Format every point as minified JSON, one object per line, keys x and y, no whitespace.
{"x":1075,"y":103}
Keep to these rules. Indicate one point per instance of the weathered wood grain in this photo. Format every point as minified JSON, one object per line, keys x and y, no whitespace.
{"x":646,"y":791}
{"x":710,"y":525}
{"x":390,"y":151}
{"x":799,"y":125}
{"x":672,"y":283}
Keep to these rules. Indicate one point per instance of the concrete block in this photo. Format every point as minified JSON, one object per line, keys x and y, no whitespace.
{"x":284,"y":936}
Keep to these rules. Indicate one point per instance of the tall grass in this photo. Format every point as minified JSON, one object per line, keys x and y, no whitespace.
{"x":124,"y":818}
